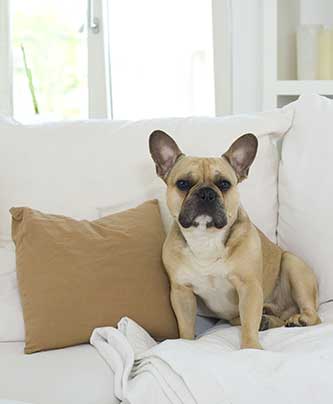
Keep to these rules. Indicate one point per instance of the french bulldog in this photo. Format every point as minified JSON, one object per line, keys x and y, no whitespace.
{"x":214,"y":251}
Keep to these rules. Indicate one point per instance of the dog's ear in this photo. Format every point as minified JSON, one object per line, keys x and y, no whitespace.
{"x":164,"y":151}
{"x":241,"y":155}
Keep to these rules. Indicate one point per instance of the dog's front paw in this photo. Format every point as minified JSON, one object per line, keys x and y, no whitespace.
{"x":251,"y":345}
{"x":186,"y":335}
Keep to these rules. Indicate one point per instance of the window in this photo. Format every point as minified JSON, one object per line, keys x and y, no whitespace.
{"x":50,"y":60}
{"x":149,"y":58}
{"x":161,"y":56}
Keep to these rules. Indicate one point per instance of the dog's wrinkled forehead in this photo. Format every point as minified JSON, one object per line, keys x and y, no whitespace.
{"x":201,"y":170}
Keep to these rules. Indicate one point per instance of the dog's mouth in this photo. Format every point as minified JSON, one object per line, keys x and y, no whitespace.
{"x":204,"y":220}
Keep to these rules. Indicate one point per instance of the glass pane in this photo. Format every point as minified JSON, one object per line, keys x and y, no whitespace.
{"x":50,"y":60}
{"x":161,"y":58}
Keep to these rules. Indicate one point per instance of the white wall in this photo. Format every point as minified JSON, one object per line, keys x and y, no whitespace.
{"x":246,"y":55}
{"x":316,"y":12}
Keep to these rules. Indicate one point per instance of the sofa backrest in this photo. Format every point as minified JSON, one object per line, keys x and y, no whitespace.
{"x":75,"y":168}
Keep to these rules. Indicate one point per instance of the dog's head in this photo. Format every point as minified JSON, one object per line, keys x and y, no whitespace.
{"x":202,"y":190}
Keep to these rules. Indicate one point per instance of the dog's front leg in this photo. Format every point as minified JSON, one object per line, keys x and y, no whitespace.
{"x":185,"y":307}
{"x":251,"y":301}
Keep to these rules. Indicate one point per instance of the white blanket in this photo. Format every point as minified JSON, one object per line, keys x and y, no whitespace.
{"x":295,"y":367}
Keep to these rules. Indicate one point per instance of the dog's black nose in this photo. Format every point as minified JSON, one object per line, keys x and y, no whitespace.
{"x":207,"y":194}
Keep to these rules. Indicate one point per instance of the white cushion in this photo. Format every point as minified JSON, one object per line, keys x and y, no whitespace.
{"x":74,"y":168}
{"x":11,"y":323}
{"x":62,"y":376}
{"x":155,"y":191}
{"x":305,"y":188}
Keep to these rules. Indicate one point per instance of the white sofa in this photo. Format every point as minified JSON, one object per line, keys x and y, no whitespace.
{"x":88,"y":169}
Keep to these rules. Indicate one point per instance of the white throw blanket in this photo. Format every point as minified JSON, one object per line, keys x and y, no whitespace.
{"x":295,"y":367}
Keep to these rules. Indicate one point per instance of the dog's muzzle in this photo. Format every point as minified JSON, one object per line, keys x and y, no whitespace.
{"x":204,"y":202}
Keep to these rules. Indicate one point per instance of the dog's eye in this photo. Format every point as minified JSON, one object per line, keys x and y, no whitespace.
{"x":183,"y":185}
{"x":224,"y":185}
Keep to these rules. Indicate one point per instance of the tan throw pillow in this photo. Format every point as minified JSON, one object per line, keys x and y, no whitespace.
{"x":77,"y":275}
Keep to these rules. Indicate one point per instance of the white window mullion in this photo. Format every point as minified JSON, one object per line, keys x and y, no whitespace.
{"x":6,"y":75}
{"x":99,"y":83}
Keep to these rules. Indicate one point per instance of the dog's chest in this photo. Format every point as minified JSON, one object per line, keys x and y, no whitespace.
{"x":207,"y":274}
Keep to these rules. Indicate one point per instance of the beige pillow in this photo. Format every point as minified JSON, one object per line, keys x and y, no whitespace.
{"x":77,"y":275}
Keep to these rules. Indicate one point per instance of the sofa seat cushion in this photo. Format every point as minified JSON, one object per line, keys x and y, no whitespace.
{"x":79,"y":375}
{"x":63,"y":376}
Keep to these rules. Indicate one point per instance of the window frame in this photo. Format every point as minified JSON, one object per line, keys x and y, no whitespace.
{"x":99,"y":61}
{"x":6,"y":65}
